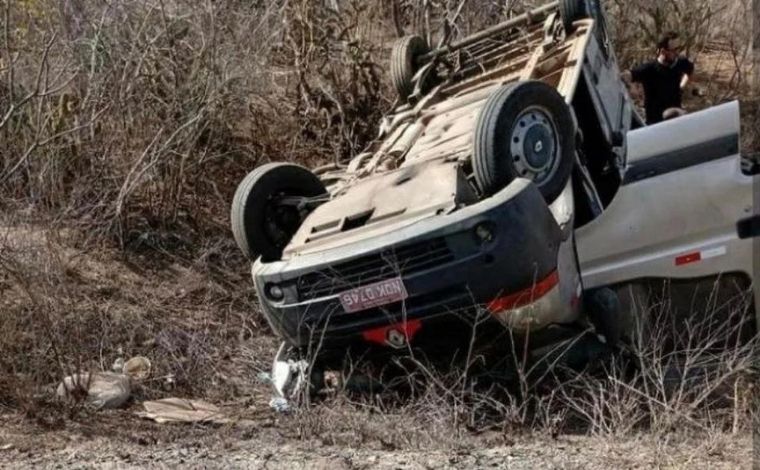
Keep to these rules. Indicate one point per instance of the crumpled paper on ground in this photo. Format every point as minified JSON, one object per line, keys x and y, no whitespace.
{"x":179,"y":410}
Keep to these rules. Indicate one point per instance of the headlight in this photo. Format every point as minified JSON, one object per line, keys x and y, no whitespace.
{"x":274,"y":292}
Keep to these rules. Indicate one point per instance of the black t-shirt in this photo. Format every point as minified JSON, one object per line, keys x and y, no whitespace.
{"x":662,"y":85}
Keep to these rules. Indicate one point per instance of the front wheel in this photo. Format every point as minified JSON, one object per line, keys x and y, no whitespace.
{"x":264,"y":217}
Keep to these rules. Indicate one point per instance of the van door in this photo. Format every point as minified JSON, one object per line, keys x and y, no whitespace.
{"x":602,"y":75}
{"x":681,"y":208}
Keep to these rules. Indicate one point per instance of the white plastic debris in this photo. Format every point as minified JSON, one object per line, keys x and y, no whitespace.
{"x":118,"y":365}
{"x":280,"y":405}
{"x":288,"y":379}
{"x":264,"y":378}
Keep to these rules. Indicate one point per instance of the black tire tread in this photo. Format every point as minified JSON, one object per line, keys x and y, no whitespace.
{"x":402,"y":68}
{"x":605,"y":312}
{"x":483,"y":162}
{"x":244,"y":209}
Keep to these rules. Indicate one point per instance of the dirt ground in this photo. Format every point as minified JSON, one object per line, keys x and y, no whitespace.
{"x":120,"y":440}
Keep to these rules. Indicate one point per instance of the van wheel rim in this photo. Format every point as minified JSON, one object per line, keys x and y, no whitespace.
{"x":534,"y":145}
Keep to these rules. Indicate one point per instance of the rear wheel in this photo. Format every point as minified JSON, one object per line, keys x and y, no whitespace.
{"x":264,"y":217}
{"x":404,"y":55}
{"x":525,"y":130}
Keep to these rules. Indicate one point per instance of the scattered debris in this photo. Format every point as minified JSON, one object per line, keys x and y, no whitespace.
{"x":289,"y":379}
{"x":118,"y":365}
{"x":138,"y":368}
{"x":264,"y":378}
{"x":280,"y":405}
{"x":178,"y":410}
{"x":106,"y":390}
{"x":277,"y":403}
{"x":103,"y":390}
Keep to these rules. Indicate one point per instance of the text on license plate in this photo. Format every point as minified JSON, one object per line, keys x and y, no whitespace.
{"x":374,"y":295}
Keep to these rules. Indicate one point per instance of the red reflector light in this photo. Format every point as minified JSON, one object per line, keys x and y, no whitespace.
{"x":525,"y":297}
{"x":688,"y":259}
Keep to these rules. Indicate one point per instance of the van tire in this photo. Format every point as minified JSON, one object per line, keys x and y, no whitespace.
{"x":404,"y":55}
{"x":260,"y":226}
{"x":525,"y":130}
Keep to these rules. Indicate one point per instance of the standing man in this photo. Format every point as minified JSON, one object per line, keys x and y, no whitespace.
{"x":664,"y":80}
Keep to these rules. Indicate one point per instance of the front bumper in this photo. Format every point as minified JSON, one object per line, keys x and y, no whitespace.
{"x":447,"y":270}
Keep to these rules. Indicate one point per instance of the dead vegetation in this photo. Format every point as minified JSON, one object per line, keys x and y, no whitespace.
{"x":124,"y":129}
{"x":695,"y":374}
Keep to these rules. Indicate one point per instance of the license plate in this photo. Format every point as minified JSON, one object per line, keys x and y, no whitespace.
{"x":374,"y":295}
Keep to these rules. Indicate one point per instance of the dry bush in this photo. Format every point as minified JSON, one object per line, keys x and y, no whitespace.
{"x":128,"y":125}
{"x":138,"y":119}
{"x":337,"y":87}
{"x":751,"y":117}
{"x":637,"y":25}
{"x":119,"y":114}
{"x":696,"y":376}
{"x":65,"y":313}
{"x":690,"y":372}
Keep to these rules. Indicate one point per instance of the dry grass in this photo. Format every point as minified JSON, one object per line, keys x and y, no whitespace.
{"x":66,"y":311}
{"x":696,"y":375}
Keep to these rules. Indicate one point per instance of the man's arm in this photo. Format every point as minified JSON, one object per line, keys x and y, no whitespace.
{"x":685,"y":81}
{"x":634,"y":78}
{"x":687,"y":68}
